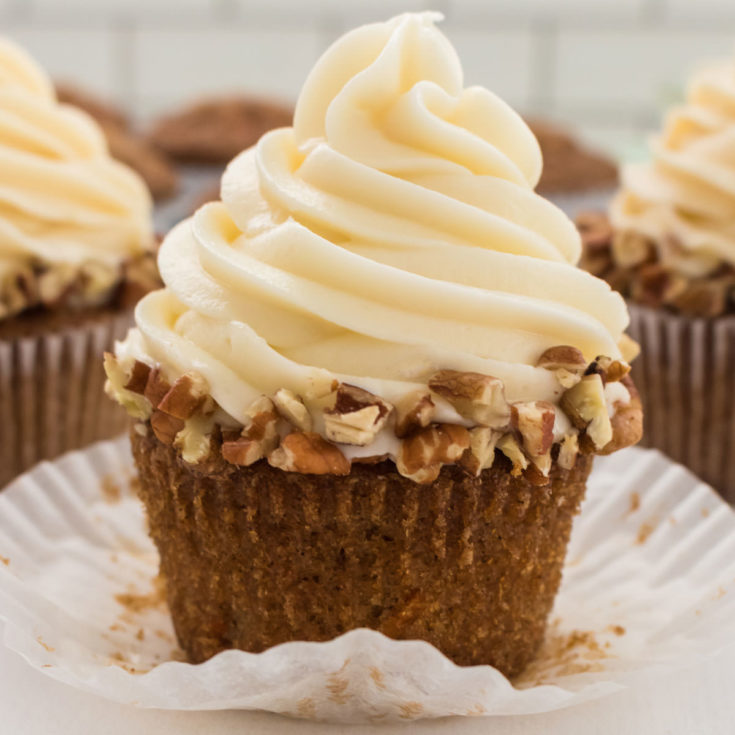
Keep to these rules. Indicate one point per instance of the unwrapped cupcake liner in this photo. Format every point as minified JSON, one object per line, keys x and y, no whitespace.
{"x":649,"y":586}
{"x":686,"y":377}
{"x":52,"y":393}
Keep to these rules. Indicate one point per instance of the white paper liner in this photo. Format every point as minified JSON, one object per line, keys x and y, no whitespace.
{"x":649,"y":586}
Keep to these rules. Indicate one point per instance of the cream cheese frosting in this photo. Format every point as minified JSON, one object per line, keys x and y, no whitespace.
{"x":391,"y":232}
{"x":65,"y":204}
{"x":684,"y":198}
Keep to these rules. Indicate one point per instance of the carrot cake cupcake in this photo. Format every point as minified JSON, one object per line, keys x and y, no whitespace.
{"x":372,"y":389}
{"x":76,"y":251}
{"x":668,"y":245}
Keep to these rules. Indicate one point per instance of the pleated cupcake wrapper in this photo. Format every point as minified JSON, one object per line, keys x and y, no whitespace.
{"x":649,"y":586}
{"x":307,"y":557}
{"x":51,"y":393}
{"x":686,"y":376}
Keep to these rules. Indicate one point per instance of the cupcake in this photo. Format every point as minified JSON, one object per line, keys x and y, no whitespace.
{"x":372,"y":389}
{"x":76,"y":251}
{"x":668,"y":245}
{"x":569,"y":167}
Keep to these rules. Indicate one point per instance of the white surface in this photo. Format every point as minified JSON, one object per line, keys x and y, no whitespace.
{"x":695,"y":702}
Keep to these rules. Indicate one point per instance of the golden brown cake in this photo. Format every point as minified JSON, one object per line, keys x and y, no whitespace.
{"x":371,"y":391}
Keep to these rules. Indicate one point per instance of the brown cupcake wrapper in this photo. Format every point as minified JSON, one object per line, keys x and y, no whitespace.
{"x":255,"y":556}
{"x":52,"y":393}
{"x":686,"y":377}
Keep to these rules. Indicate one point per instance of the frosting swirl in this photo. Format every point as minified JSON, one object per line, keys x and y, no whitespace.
{"x":391,"y":232}
{"x":684,"y":199}
{"x":64,"y":203}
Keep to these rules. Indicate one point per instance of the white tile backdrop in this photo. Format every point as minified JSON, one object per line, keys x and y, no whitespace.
{"x":606,"y":66}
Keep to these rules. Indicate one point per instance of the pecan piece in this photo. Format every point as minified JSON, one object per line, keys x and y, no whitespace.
{"x":627,"y":421}
{"x":510,"y":447}
{"x":156,"y":387}
{"x":138,"y":377}
{"x":185,"y":396}
{"x":586,"y":407}
{"x":422,"y":454}
{"x":257,"y":439}
{"x":480,"y":455}
{"x":357,"y":416}
{"x":310,"y":454}
{"x":414,"y":411}
{"x":134,"y":403}
{"x":534,"y":420}
{"x":293,"y":409}
{"x":165,"y":426}
{"x":566,"y":362}
{"x":611,"y":371}
{"x":478,"y":397}
{"x":568,"y":451}
{"x":630,"y":249}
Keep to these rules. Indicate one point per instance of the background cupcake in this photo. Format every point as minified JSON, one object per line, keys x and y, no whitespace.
{"x":371,"y":391}
{"x":76,"y":251}
{"x":669,"y":247}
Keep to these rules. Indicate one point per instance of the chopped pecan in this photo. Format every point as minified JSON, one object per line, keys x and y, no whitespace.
{"x":138,"y":377}
{"x":586,"y":407}
{"x":135,"y":404}
{"x":706,"y":298}
{"x":292,"y":408}
{"x":156,"y":387}
{"x":357,"y":416}
{"x":414,"y":411}
{"x":478,"y":397}
{"x":422,"y":454}
{"x":627,"y":421}
{"x":185,"y":396}
{"x":611,"y":371}
{"x":510,"y":447}
{"x":194,"y":440}
{"x":630,"y":249}
{"x":534,"y":420}
{"x":257,"y":439}
{"x":566,"y":362}
{"x":480,"y":455}
{"x":309,"y":453}
{"x":568,"y":451}
{"x":165,"y":426}
{"x":655,"y":286}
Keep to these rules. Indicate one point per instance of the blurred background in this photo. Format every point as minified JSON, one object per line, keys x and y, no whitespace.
{"x":602,"y":69}
{"x":604,"y":66}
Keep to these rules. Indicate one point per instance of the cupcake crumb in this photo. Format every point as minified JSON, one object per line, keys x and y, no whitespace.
{"x":305,"y":707}
{"x":4,"y":560}
{"x":635,"y":503}
{"x":617,"y":629}
{"x":377,"y":676}
{"x":411,"y":710}
{"x":110,"y":489}
{"x":45,"y":645}
{"x":645,"y":530}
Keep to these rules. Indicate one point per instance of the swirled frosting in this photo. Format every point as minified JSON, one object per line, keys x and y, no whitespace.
{"x":684,"y":198}
{"x":65,"y":205}
{"x":391,"y":232}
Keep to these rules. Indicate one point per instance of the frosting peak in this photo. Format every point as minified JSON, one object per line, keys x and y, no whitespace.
{"x":684,"y":199}
{"x":65,"y":204}
{"x":393,"y":231}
